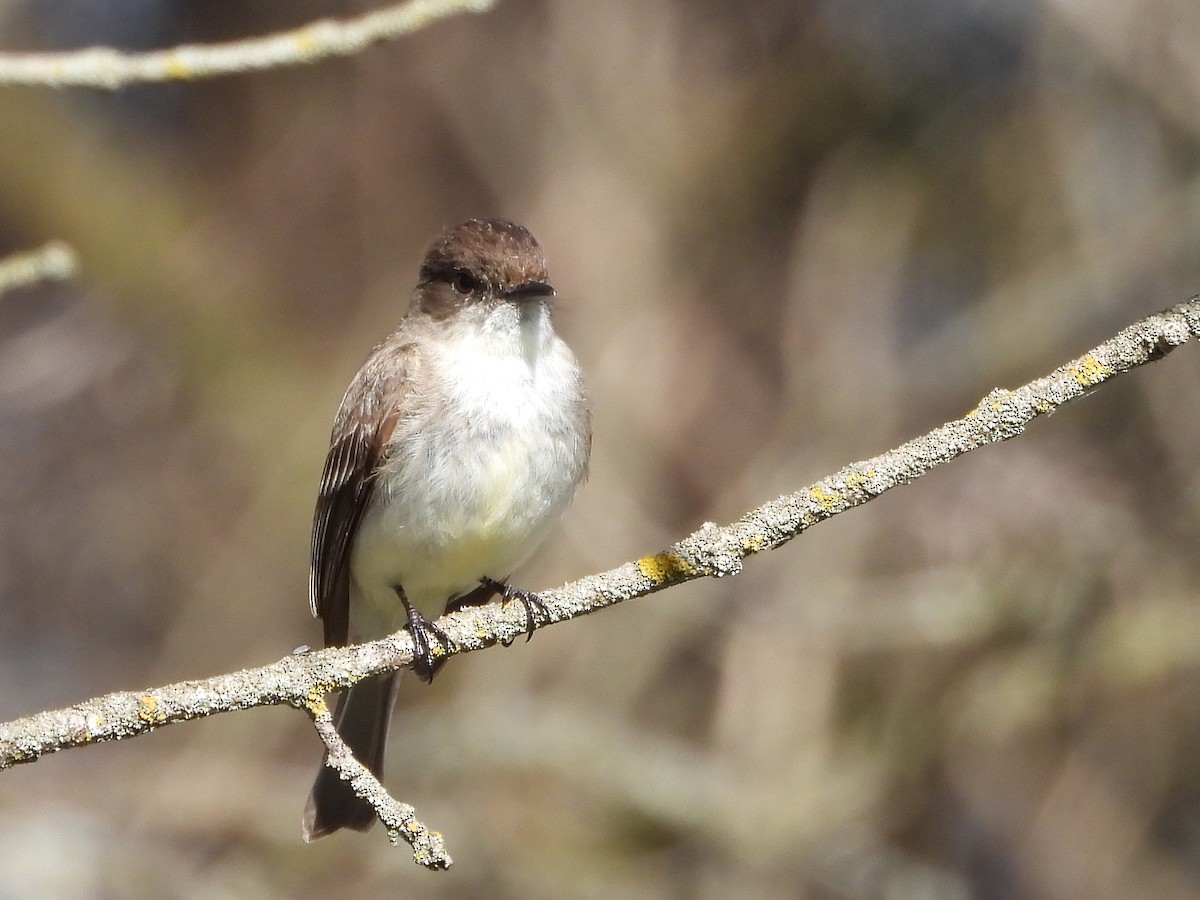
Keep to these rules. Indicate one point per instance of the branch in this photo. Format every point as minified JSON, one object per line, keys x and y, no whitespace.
{"x":303,"y":679}
{"x":53,"y":262}
{"x":103,"y":67}
{"x":398,"y":818}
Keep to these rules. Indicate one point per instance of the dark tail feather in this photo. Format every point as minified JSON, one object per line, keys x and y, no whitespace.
{"x":362,"y":717}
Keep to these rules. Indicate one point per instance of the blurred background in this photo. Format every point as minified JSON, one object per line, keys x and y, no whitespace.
{"x":787,"y":235}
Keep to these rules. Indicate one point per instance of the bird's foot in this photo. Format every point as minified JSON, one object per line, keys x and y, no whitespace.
{"x":425,"y":634}
{"x":535,"y":610}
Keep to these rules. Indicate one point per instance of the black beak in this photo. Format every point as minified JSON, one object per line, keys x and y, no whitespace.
{"x":531,"y":290}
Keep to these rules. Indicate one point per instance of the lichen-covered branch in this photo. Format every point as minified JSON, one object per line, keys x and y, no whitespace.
{"x":303,"y":679}
{"x":103,"y":67}
{"x":716,"y":551}
{"x":400,"y":819}
{"x":53,"y":262}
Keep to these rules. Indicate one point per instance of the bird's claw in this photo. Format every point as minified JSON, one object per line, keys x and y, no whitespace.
{"x":422,"y":630}
{"x":536,"y":612}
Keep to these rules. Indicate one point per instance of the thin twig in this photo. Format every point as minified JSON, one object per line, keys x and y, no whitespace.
{"x":53,"y":262}
{"x":713,"y":551}
{"x":104,"y":67}
{"x":400,"y":819}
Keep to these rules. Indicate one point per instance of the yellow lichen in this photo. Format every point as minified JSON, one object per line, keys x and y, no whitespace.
{"x":664,"y":567}
{"x":176,"y":68}
{"x":1090,"y":371}
{"x":149,"y":712}
{"x":754,"y":543}
{"x":857,"y":481}
{"x":305,"y":40}
{"x":825,"y":499}
{"x":315,"y":702}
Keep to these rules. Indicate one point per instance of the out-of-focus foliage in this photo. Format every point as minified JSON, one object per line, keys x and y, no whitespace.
{"x":787,"y":235}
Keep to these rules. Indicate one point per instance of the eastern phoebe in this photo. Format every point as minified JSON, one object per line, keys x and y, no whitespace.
{"x":457,"y":446}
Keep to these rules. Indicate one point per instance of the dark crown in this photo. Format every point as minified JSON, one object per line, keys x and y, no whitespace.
{"x":502,"y":255}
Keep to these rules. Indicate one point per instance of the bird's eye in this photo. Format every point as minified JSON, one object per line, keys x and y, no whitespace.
{"x":464,"y":282}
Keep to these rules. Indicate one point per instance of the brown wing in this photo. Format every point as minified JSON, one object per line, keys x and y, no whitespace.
{"x":364,"y":423}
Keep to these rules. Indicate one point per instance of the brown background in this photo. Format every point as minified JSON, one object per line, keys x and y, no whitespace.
{"x":787,"y":236}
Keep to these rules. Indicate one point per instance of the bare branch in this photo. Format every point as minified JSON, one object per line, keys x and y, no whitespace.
{"x":53,"y":262}
{"x":103,"y":67}
{"x":302,"y":680}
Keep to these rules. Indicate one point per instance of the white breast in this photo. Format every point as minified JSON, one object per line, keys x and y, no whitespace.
{"x":473,"y":484}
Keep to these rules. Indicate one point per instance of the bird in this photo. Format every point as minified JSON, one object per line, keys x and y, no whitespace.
{"x":453,"y":454}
